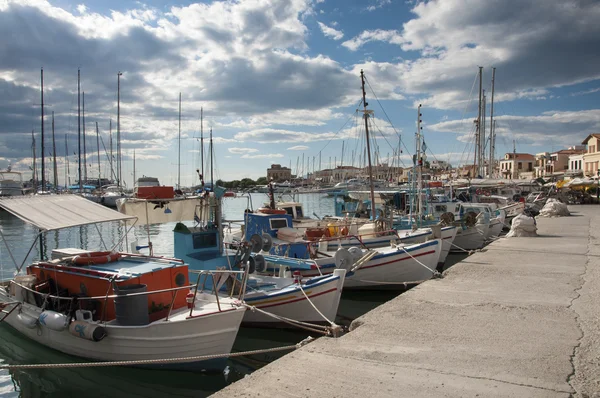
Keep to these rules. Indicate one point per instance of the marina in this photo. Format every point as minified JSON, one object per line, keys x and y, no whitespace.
{"x":299,"y":198}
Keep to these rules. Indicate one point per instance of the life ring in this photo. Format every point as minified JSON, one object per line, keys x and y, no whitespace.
{"x":478,"y":191}
{"x":266,"y":210}
{"x":487,"y":193}
{"x":94,"y":258}
{"x":344,"y":231}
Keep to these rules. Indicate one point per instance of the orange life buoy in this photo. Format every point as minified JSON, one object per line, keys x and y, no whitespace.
{"x":96,"y":258}
{"x":344,"y":231}
{"x":266,"y":210}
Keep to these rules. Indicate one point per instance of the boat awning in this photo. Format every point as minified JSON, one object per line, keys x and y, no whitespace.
{"x":52,"y":212}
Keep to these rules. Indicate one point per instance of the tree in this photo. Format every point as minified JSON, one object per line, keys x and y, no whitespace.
{"x":262,"y":181}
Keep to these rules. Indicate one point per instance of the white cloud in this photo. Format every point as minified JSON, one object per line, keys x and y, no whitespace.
{"x":298,"y":148}
{"x":389,"y":36}
{"x":263,"y":156}
{"x":239,"y":151}
{"x":378,"y":4}
{"x":81,"y":8}
{"x":331,"y":32}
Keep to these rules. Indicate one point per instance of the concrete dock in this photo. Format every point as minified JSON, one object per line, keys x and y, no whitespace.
{"x":520,"y":318}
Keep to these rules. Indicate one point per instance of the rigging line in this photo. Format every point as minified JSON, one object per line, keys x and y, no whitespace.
{"x":384,"y":137}
{"x":341,"y":128}
{"x":379,"y":102}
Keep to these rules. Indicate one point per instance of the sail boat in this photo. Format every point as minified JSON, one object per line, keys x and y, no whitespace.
{"x":379,"y":267}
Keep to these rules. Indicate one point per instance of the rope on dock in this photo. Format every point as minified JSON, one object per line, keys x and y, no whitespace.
{"x":154,"y":361}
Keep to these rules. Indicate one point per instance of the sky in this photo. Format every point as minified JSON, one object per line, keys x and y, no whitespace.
{"x":279,"y":81}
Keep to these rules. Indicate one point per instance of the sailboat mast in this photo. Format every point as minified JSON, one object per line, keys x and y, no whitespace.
{"x":119,"y":74}
{"x":179,"y":148}
{"x":98,"y":143}
{"x":42,"y":137}
{"x":79,"y":129}
{"x":34,"y":165}
{"x":366,"y":116}
{"x":212,"y":187}
{"x":111,"y":160}
{"x":201,"y":144}
{"x":419,"y":168}
{"x":54,"y":156}
{"x":67,"y":163}
{"x":492,"y":125}
{"x":477,"y":160}
{"x":134,"y":166}
{"x":85,"y":176}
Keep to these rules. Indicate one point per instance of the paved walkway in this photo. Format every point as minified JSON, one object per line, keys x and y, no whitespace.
{"x":521,"y":318}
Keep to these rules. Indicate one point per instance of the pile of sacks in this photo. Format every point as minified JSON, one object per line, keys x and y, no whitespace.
{"x":522,"y":225}
{"x":554,"y":208}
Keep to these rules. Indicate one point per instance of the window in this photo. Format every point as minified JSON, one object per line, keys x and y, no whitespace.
{"x":205,"y":240}
{"x":277,"y":223}
{"x":520,"y":165}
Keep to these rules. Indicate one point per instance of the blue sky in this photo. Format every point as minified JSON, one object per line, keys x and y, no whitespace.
{"x":279,"y":80}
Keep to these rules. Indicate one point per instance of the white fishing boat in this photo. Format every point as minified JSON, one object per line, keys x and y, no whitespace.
{"x":110,"y":306}
{"x":277,"y":297}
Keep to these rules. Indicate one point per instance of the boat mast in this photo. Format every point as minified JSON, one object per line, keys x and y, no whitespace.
{"x":482,"y":140}
{"x":119,"y":74}
{"x":98,"y":143}
{"x":212,"y":187}
{"x":419,"y":168}
{"x":477,"y":161}
{"x":492,"y":125}
{"x":110,"y":161}
{"x":134,"y":167}
{"x":67,"y":171}
{"x":85,"y":177}
{"x":34,"y":165}
{"x":54,"y":156}
{"x":79,"y":128}
{"x":366,"y":116}
{"x":42,"y":137}
{"x":179,"y":148}
{"x":201,"y":145}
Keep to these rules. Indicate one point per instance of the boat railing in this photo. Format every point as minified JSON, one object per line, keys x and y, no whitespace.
{"x":196,"y":287}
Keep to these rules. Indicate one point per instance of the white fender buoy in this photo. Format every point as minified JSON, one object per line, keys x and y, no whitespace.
{"x":86,"y":330}
{"x":54,"y":320}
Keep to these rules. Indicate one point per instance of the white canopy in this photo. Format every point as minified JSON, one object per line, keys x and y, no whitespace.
{"x":51,"y":212}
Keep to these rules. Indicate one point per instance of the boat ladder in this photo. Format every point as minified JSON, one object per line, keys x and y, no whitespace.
{"x":6,"y":312}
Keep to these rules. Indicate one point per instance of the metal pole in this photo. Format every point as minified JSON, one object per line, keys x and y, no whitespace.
{"x":98,"y":143}
{"x":54,"y":156}
{"x":179,"y":148}
{"x":119,"y":174}
{"x":85,"y":177}
{"x":202,"y":143}
{"x":42,"y":95}
{"x":366,"y":116}
{"x":492,"y":132}
{"x":79,"y":129}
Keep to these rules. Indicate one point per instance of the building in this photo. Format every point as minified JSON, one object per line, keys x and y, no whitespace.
{"x":278,"y":173}
{"x":439,"y":165}
{"x":591,"y":158}
{"x":541,"y":164}
{"x":575,"y":165}
{"x":517,"y":166}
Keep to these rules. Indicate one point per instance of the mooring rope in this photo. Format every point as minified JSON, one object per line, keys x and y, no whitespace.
{"x":315,"y":307}
{"x":196,"y":358}
{"x":433,"y":272}
{"x":325,"y":330}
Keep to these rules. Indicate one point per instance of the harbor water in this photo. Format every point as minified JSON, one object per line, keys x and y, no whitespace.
{"x":132,"y":382}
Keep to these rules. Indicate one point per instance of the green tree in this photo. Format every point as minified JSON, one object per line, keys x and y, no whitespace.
{"x":262,"y":181}
{"x":247,"y":183}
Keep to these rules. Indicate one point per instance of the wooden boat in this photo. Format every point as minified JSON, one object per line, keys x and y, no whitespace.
{"x":110,"y":306}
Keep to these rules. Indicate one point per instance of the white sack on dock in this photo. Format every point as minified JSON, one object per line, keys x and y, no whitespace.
{"x":522,"y":225}
{"x":554,"y":208}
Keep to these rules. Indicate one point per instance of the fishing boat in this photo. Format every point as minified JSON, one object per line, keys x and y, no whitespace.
{"x":111,"y":306}
{"x":279,"y":297}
